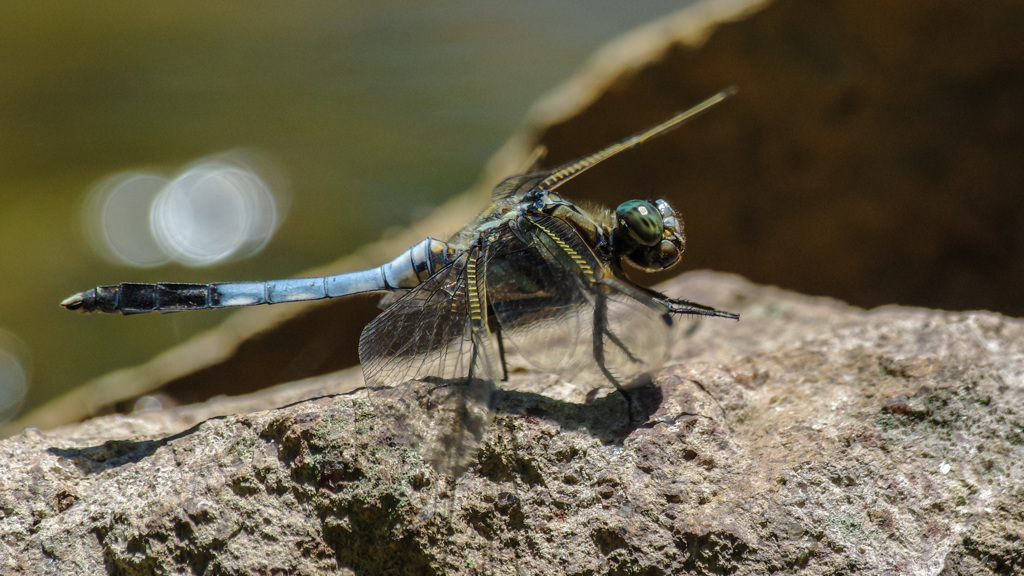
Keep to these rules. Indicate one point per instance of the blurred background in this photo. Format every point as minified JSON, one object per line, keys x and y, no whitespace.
{"x":303,"y":131}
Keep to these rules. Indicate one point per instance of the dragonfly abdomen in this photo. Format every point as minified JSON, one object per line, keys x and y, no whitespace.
{"x":408,"y":270}
{"x":136,"y":298}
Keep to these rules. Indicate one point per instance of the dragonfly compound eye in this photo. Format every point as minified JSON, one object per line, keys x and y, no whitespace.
{"x":642,"y":222}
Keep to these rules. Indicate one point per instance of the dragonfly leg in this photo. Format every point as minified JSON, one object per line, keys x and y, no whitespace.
{"x":679,"y":306}
{"x":615,"y":340}
{"x":600,"y":329}
{"x":695,"y":309}
{"x":629,"y":289}
{"x":501,"y":352}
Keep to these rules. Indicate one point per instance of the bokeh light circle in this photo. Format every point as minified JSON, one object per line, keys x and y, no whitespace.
{"x":116,"y":219}
{"x":215,"y":210}
{"x":14,"y":374}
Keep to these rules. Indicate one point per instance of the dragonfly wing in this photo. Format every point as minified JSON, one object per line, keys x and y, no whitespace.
{"x":432,"y":348}
{"x":517,"y":186}
{"x":562,"y":310}
{"x":426,"y":333}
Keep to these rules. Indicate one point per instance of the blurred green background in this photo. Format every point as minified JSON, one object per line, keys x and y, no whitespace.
{"x":374,"y":112}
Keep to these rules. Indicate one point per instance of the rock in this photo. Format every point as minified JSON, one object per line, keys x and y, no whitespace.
{"x":811,"y":437}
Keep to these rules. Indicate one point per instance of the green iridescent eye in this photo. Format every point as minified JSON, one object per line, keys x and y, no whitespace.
{"x":642,"y":221}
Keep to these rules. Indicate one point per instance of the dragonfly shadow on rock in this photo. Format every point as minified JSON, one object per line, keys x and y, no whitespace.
{"x":113,"y":454}
{"x":446,"y":418}
{"x":448,"y":421}
{"x":609,"y":418}
{"x":605,"y":419}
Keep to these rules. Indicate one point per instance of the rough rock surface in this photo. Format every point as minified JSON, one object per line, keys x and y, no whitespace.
{"x":811,"y":437}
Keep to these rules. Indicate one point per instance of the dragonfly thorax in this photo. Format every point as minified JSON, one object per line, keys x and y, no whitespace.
{"x":648,"y":234}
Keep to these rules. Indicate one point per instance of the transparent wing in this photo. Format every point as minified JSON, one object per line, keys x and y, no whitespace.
{"x":519,"y":185}
{"x":433,"y":356}
{"x":566,"y":313}
{"x":426,"y":333}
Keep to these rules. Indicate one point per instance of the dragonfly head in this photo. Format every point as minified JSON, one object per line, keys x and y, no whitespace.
{"x":649,"y":235}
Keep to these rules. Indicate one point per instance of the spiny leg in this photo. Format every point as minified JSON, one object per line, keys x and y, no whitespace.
{"x":622,"y":346}
{"x":695,"y":309}
{"x":501,"y":352}
{"x":678,"y":306}
{"x":600,"y":329}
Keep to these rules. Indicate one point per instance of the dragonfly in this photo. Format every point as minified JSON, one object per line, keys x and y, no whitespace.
{"x":533,"y":270}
